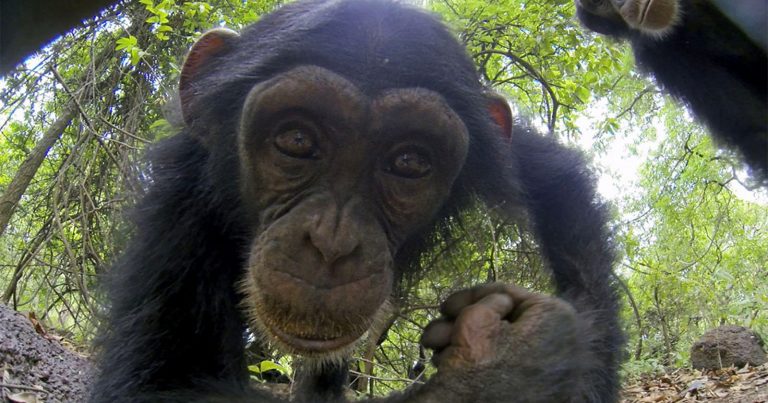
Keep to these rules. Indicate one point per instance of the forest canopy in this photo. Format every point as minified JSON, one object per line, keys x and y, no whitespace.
{"x":691,"y":226}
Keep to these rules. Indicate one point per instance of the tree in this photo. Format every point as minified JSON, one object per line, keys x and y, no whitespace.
{"x":76,"y":118}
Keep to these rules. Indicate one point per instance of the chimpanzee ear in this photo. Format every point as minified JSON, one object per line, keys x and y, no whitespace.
{"x":498,"y":108}
{"x":202,"y":53}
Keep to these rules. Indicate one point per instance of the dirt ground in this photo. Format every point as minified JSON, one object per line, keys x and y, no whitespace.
{"x":34,"y":366}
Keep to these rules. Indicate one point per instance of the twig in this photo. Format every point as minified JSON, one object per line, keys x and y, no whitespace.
{"x":84,"y":115}
{"x":13,"y":386}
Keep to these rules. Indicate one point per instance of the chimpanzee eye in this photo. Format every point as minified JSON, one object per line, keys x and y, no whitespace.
{"x":296,"y":141}
{"x":410,"y":163}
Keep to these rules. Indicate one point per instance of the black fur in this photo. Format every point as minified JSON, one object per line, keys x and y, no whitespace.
{"x":710,"y":64}
{"x":174,"y":330}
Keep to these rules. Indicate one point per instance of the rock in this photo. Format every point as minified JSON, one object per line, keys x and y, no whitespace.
{"x":728,"y":345}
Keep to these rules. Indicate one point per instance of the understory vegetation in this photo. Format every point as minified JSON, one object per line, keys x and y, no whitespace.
{"x":691,"y":227}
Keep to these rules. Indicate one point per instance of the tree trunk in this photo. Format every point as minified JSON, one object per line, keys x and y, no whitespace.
{"x":10,"y":199}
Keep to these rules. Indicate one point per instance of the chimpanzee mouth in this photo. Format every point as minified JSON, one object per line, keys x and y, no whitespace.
{"x":312,"y":343}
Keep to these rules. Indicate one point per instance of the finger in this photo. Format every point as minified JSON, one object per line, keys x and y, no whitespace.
{"x":457,"y":301}
{"x":541,"y":306}
{"x":474,"y":335}
{"x":478,"y":323}
{"x":452,"y":306}
{"x":437,"y":334}
{"x":498,"y":303}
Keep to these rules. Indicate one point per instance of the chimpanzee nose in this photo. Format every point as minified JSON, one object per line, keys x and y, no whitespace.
{"x":334,"y":233}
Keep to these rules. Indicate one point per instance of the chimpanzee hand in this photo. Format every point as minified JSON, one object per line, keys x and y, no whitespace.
{"x":501,"y":343}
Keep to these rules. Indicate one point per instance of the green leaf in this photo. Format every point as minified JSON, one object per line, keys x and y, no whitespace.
{"x":270,"y":365}
{"x":583,"y":94}
{"x":135,"y":56}
{"x":126,"y":43}
{"x":256,"y":369}
{"x":265,"y":366}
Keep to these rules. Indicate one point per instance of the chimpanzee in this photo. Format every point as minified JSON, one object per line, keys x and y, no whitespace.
{"x":27,"y":25}
{"x":701,"y":57}
{"x":322,"y":149}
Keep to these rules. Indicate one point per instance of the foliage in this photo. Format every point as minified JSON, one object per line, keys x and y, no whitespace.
{"x":258,"y":370}
{"x":536,"y":52}
{"x":120,"y":70}
{"x":696,"y":258}
{"x":693,"y":240}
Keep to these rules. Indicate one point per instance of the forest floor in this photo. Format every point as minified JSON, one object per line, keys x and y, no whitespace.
{"x":728,"y":385}
{"x":36,"y":366}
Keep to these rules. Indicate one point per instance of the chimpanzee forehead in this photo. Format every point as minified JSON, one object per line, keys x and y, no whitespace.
{"x":370,"y":42}
{"x":377,"y":45}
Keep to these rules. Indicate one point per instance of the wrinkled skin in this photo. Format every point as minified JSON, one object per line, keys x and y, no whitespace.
{"x":321,"y":148}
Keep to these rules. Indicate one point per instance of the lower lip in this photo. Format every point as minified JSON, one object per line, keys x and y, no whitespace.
{"x":313,"y":345}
